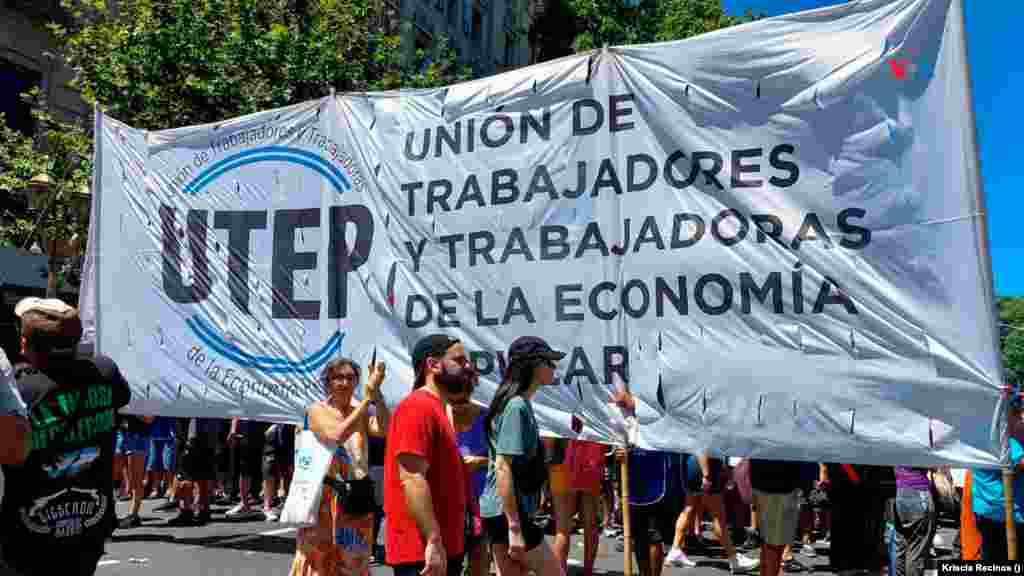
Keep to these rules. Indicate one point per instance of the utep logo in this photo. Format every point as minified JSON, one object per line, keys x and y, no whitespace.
{"x":241,"y":224}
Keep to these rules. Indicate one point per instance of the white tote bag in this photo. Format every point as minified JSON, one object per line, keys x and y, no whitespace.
{"x":312,"y":460}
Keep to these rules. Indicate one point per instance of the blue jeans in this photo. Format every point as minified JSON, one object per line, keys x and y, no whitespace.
{"x":161,"y":456}
{"x":128,"y":443}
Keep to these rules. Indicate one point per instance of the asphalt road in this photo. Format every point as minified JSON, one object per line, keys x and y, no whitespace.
{"x":227,"y":548}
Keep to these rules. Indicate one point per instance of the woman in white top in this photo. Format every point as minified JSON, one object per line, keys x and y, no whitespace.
{"x":341,"y":542}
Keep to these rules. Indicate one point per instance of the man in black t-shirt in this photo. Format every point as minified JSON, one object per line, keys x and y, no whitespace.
{"x":59,"y":506}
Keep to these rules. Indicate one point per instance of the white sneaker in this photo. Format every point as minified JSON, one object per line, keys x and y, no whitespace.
{"x":240,"y":511}
{"x":270,"y":515}
{"x":679,"y":559}
{"x":743,"y":563}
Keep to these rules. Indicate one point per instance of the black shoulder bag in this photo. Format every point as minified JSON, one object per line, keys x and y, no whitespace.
{"x":357,"y":497}
{"x":532,"y":472}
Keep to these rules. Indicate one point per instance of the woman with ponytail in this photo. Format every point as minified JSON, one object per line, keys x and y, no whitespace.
{"x":517,"y":469}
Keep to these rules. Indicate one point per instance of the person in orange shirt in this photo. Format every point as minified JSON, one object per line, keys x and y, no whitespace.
{"x":970,"y":538}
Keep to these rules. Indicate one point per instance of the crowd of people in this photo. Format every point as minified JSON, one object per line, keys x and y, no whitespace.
{"x":454,"y":487}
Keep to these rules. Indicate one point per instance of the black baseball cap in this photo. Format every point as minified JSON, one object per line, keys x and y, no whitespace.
{"x":530,"y":347}
{"x":431,"y":347}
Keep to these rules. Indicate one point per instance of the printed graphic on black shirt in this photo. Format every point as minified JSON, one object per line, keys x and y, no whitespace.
{"x":72,"y":463}
{"x":64,"y":492}
{"x":66,"y":513}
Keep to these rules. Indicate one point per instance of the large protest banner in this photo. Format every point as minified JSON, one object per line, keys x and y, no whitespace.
{"x":773,"y":233}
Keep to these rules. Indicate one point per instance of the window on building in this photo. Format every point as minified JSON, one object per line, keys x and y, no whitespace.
{"x":477,"y":35}
{"x":424,"y":40}
{"x":425,"y":46}
{"x":453,"y":14}
{"x":17,"y":80}
{"x":510,"y":15}
{"x":509,"y":51}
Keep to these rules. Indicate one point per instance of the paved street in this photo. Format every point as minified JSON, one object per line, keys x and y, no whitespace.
{"x":228,"y":548}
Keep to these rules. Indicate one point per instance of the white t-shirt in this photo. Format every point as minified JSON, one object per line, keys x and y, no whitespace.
{"x":10,"y":401}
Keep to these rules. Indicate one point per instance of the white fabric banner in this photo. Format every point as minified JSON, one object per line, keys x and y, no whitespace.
{"x":773,"y":233}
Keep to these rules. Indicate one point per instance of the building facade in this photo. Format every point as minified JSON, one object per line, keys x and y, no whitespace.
{"x":28,"y":58}
{"x":488,"y":35}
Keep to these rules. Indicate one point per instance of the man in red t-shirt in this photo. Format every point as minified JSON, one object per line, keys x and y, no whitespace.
{"x":424,"y":487}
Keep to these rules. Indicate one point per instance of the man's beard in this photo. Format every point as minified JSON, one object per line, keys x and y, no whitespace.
{"x":455,"y":381}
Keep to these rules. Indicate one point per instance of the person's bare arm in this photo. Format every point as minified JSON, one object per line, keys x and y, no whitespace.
{"x":378,"y":425}
{"x":705,"y":465}
{"x":506,"y":488}
{"x":380,"y":419}
{"x":412,"y":475}
{"x":474,"y":463}
{"x":15,"y":439}
{"x":463,"y":416}
{"x":327,"y":423}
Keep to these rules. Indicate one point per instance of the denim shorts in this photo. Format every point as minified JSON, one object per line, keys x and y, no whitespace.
{"x":161,"y":456}
{"x":128,"y":443}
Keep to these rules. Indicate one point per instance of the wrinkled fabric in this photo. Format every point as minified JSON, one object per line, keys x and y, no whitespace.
{"x":773,"y":232}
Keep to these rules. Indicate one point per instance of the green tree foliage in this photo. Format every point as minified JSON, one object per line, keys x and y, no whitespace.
{"x":61,"y":155}
{"x":165,"y":63}
{"x":1011,"y":335}
{"x":595,"y":23}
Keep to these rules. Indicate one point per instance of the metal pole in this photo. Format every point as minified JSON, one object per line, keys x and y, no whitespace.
{"x":987,"y":282}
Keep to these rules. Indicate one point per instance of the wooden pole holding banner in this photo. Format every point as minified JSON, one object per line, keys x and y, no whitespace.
{"x":627,"y":531}
{"x":1011,"y":526}
{"x":983,"y":243}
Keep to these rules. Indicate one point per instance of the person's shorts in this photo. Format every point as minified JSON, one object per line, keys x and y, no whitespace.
{"x":248,"y":456}
{"x":161,"y":456}
{"x":778,"y":516}
{"x":278,"y":462}
{"x":695,"y":476}
{"x":587,"y":466}
{"x":196,"y":461}
{"x":496,"y":531}
{"x":559,"y":478}
{"x":128,"y":443}
{"x":655,"y":523}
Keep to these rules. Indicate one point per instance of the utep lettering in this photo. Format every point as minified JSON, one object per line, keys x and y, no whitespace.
{"x":49,"y":419}
{"x":240,"y":224}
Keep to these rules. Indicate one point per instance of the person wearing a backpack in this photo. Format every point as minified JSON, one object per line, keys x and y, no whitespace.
{"x":59,"y":505}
